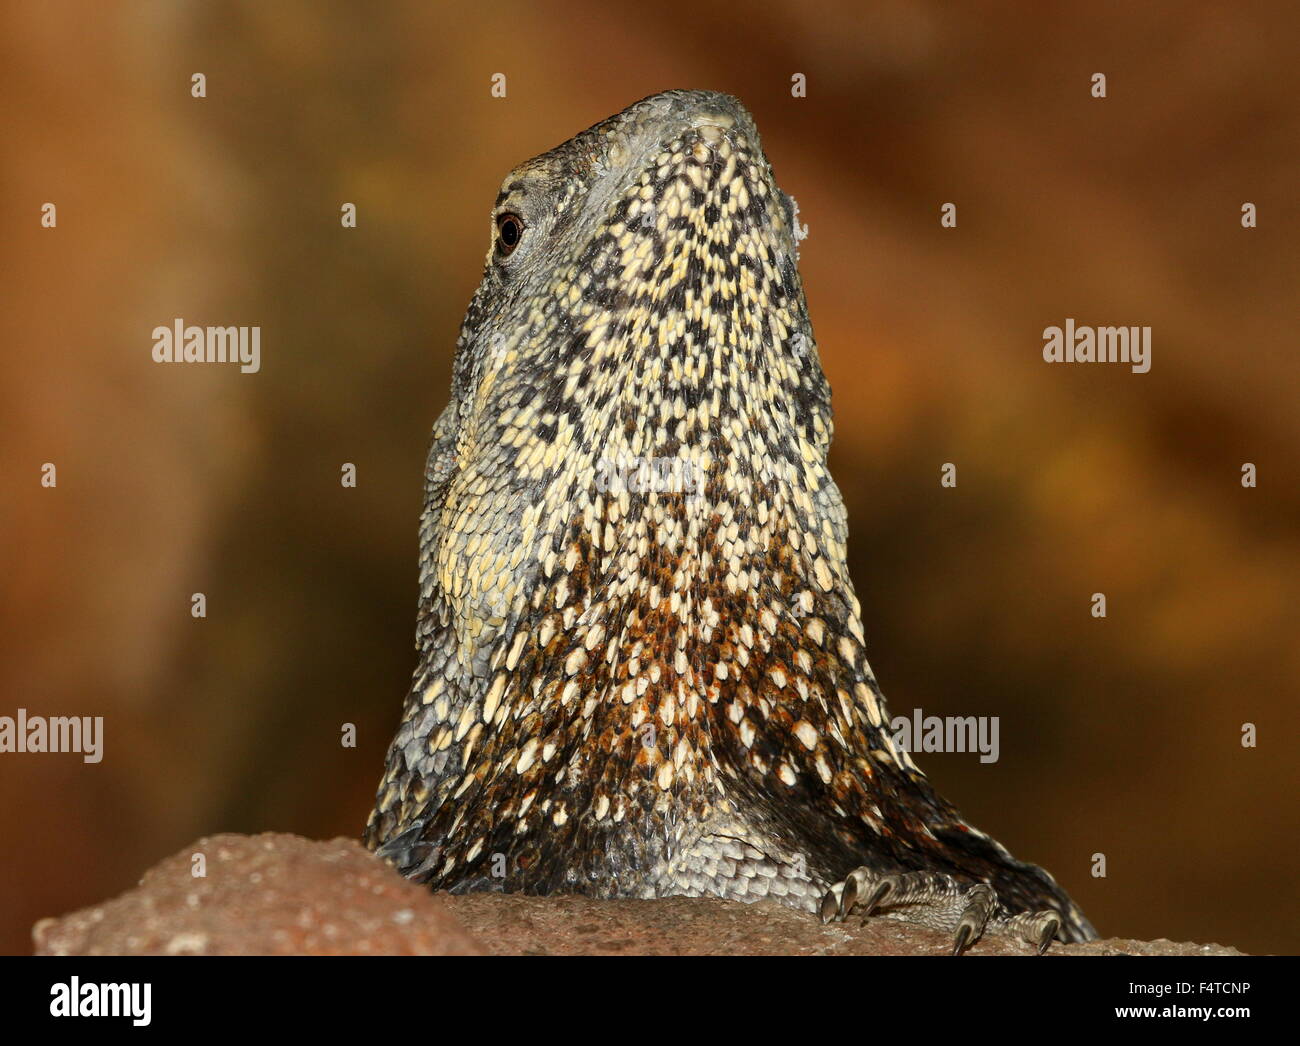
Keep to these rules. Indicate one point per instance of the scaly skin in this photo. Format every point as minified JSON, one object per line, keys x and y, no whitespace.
{"x":639,"y":688}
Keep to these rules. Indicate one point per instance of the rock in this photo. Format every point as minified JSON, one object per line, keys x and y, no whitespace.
{"x":266,"y":894}
{"x":279,"y":894}
{"x":510,"y":924}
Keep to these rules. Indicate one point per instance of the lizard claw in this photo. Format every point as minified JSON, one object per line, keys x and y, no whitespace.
{"x":963,"y":936}
{"x":940,"y":902}
{"x":830,"y":906}
{"x":840,"y":900}
{"x":1036,"y":928}
{"x":980,"y":903}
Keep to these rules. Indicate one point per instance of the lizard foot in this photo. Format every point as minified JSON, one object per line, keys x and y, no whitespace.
{"x":938,"y":901}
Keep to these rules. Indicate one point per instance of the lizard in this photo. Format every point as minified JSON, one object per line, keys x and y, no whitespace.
{"x":641,"y":666}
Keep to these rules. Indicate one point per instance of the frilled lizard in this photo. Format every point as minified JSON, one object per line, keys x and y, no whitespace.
{"x":641,"y":667}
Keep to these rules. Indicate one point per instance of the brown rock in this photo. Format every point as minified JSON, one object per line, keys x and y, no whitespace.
{"x":266,"y":894}
{"x":510,"y":924}
{"x":278,"y":894}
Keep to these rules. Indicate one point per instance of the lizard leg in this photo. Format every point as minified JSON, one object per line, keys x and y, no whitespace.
{"x":938,"y":901}
{"x":1037,"y":928}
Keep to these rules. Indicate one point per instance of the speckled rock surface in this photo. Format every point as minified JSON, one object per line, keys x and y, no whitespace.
{"x":512,"y":924}
{"x":266,"y":894}
{"x":283,"y":895}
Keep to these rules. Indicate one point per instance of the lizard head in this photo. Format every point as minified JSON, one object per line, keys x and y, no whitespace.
{"x":649,"y":263}
{"x":638,"y":353}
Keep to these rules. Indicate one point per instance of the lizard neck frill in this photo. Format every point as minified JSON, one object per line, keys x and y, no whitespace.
{"x":665,"y":547}
{"x":641,"y":661}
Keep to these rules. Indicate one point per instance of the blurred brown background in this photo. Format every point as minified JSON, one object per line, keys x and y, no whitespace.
{"x":1119,"y":736}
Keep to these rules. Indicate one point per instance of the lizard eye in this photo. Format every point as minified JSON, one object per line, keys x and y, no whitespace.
{"x":510,"y":228}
